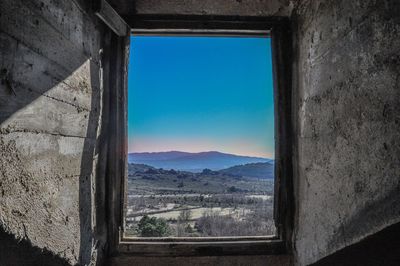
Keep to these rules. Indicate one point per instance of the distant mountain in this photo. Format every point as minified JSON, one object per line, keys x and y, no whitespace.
{"x":193,"y":162}
{"x":256,"y":170}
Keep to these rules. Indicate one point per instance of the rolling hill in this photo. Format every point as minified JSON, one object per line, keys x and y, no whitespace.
{"x":255,"y":170}
{"x":193,"y":162}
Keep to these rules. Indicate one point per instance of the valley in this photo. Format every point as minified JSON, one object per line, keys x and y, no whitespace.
{"x":235,"y":201}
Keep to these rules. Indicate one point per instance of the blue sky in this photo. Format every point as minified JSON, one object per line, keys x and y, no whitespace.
{"x":201,"y":94}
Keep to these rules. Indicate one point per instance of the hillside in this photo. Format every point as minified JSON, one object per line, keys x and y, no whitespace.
{"x":193,"y":162}
{"x":138,"y":168}
{"x":146,"y":178}
{"x":255,"y":170}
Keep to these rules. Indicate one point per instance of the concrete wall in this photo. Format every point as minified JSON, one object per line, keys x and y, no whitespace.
{"x":51,"y":104}
{"x":381,"y":248}
{"x":204,"y":7}
{"x":50,"y":107}
{"x":348,"y":184}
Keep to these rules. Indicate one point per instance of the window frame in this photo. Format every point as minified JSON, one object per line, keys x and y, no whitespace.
{"x":279,"y":30}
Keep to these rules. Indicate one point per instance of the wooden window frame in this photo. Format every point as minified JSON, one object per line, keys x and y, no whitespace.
{"x":278,"y":28}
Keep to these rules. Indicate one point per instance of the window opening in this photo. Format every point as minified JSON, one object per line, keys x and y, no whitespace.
{"x":200,"y":137}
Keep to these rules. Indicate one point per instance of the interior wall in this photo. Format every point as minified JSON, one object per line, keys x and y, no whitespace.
{"x":50,"y":108}
{"x":51,"y":104}
{"x":128,"y":8}
{"x":381,"y":248}
{"x":53,"y":112}
{"x":348,"y":184}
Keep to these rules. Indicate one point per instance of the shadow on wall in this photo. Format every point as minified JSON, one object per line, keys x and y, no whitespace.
{"x":21,"y":252}
{"x":50,"y":105}
{"x":383,"y":248}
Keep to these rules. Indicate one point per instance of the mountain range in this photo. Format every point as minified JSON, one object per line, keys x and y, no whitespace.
{"x":193,"y":162}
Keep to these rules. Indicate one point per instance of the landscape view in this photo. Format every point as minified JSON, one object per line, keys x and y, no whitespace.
{"x":200,"y":137}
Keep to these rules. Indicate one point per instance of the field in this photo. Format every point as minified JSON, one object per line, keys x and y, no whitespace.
{"x":209,"y":203}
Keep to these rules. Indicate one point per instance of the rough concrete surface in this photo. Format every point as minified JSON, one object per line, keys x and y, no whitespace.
{"x":204,"y":7}
{"x":348,"y":183}
{"x":381,"y":248}
{"x":49,"y":115}
{"x":346,"y":109}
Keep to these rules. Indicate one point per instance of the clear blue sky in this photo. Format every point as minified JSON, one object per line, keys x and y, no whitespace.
{"x":201,"y":94}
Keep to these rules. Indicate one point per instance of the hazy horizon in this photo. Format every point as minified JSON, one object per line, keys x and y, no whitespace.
{"x":198,"y":94}
{"x":205,"y":151}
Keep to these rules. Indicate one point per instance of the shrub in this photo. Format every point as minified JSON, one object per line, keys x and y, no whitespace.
{"x":232,"y":189}
{"x":153,"y":227}
{"x":185,"y":216}
{"x":151,"y":171}
{"x":172,"y":171}
{"x":206,"y":171}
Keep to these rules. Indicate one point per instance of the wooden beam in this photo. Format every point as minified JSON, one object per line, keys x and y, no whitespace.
{"x":203,"y":25}
{"x":201,"y":248}
{"x":110,"y":17}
